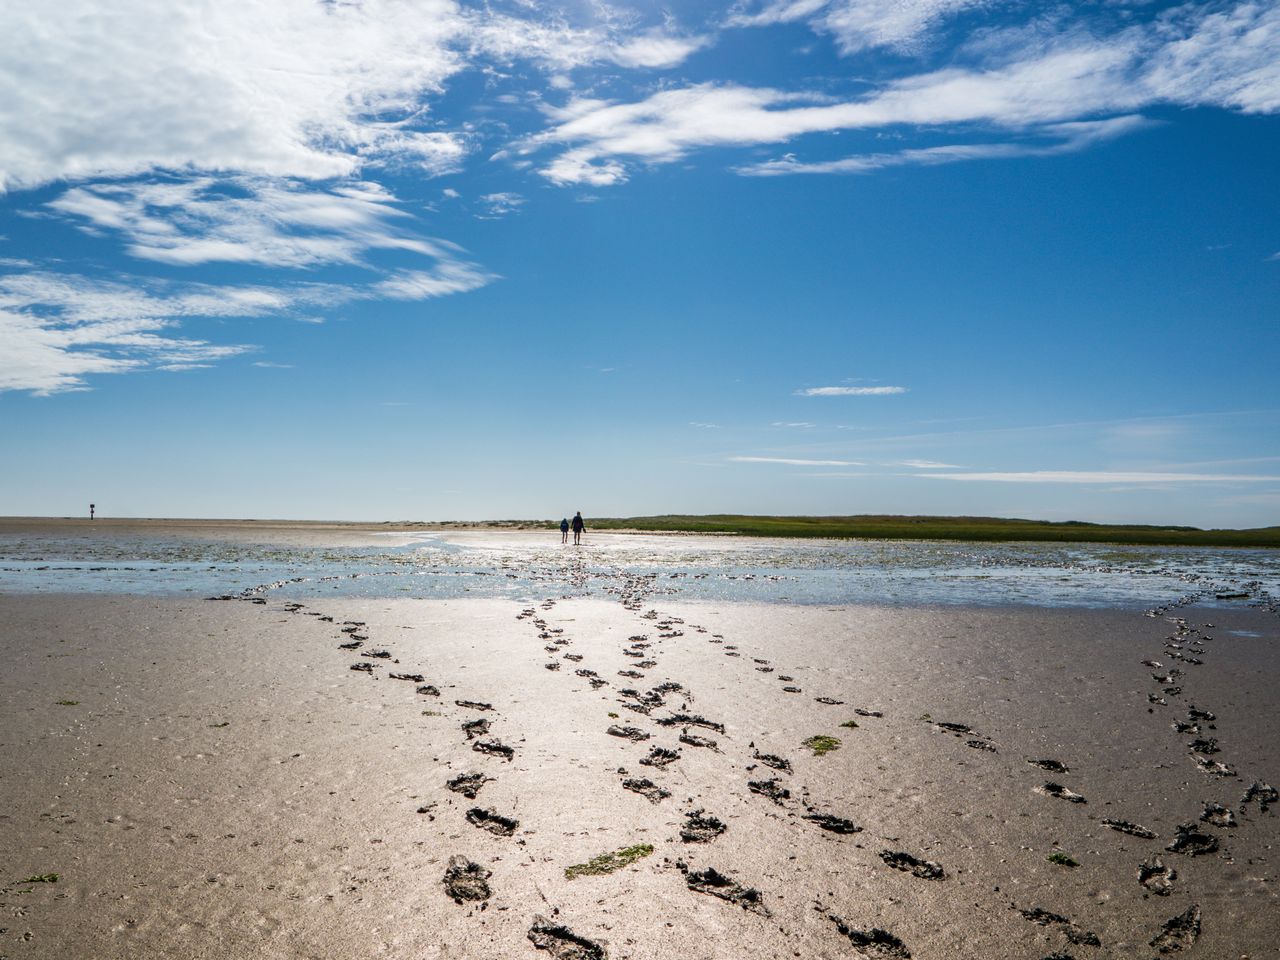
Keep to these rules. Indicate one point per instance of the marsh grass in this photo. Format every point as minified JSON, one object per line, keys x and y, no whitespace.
{"x":609,"y":862}
{"x":821,"y":744}
{"x":875,"y":527}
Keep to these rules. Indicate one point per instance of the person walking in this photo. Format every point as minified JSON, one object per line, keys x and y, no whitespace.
{"x":578,"y":527}
{"x":564,"y":530}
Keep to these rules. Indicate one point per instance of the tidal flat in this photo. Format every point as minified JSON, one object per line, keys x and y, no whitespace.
{"x":832,"y":750}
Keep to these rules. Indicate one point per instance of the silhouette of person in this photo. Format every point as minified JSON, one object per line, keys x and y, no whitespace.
{"x":91,"y":509}
{"x":564,"y":531}
{"x":578,"y":527}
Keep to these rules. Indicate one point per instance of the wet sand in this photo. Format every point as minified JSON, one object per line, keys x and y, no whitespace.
{"x":220,"y":782}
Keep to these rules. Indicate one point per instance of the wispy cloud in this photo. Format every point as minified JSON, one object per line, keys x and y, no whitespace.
{"x":273,"y":223}
{"x":1102,"y":476}
{"x":928,"y":465}
{"x":57,"y":330}
{"x":793,"y":462}
{"x":271,"y":365}
{"x":497,"y":205}
{"x":849,"y":391}
{"x":704,"y":426}
{"x":1192,"y":56}
{"x":1068,"y":137}
{"x":858,"y":24}
{"x":793,"y":424}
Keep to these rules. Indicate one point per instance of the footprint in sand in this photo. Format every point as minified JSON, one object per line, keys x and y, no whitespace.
{"x":714,"y":883}
{"x":660,"y":757}
{"x":1156,"y":877}
{"x":562,"y":943}
{"x":700,"y":827}
{"x":492,"y":821}
{"x":773,"y":789}
{"x":875,"y":942}
{"x":924,"y":869}
{"x":1180,"y":932}
{"x":466,"y":881}
{"x":1132,"y":829}
{"x":832,"y":823}
{"x":493,"y":748}
{"x":468,"y":784}
{"x":647,"y":789}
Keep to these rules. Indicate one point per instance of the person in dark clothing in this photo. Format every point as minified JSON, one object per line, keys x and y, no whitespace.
{"x":578,"y":527}
{"x":564,"y":531}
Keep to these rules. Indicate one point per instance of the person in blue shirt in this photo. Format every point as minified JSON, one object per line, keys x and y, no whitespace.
{"x":564,"y":531}
{"x":578,"y":527}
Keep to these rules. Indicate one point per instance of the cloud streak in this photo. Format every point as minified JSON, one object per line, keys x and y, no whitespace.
{"x":793,"y":462}
{"x":1227,"y":58}
{"x":1101,"y":476}
{"x":850,"y":391}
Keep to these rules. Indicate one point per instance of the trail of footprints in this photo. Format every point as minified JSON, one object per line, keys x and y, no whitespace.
{"x":467,"y":882}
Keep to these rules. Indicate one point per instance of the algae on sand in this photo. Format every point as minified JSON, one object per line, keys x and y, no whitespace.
{"x":821,"y":744}
{"x":609,"y":862}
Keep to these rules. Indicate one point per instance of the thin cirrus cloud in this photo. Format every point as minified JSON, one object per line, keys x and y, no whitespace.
{"x":860,"y":24}
{"x":58,"y":329}
{"x":793,"y":462}
{"x":61,"y":327}
{"x":1193,"y":56}
{"x":272,"y":223}
{"x":1102,"y":476}
{"x":1068,"y":138}
{"x":850,"y":391}
{"x":928,"y":465}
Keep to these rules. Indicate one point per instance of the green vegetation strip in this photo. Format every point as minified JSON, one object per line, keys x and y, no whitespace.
{"x":1062,"y":860}
{"x":875,"y":527}
{"x":822,"y":744}
{"x":609,"y":862}
{"x":41,"y":878}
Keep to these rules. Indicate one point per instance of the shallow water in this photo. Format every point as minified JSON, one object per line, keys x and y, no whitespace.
{"x":529,"y":566}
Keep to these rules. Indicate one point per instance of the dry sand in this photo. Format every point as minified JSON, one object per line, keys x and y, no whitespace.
{"x":224,"y":785}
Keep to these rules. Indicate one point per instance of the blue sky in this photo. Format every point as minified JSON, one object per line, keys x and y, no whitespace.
{"x":390,"y":260}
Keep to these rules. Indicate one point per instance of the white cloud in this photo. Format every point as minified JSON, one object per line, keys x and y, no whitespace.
{"x":59,"y":329}
{"x":704,"y":426}
{"x":501,"y":204}
{"x":794,"y":425}
{"x":1076,"y":136}
{"x":1189,"y":57}
{"x":292,"y":88}
{"x":798,"y":463}
{"x":269,"y":365}
{"x":849,"y":391}
{"x":1101,"y":476}
{"x":928,"y":465}
{"x":656,"y":49}
{"x":858,"y":24}
{"x":561,"y":47}
{"x":449,"y":277}
{"x":277,"y":223}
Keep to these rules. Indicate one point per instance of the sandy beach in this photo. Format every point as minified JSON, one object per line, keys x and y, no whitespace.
{"x":253,"y":777}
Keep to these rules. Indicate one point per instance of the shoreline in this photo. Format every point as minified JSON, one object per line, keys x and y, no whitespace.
{"x":782,"y":529}
{"x":295,"y":829}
